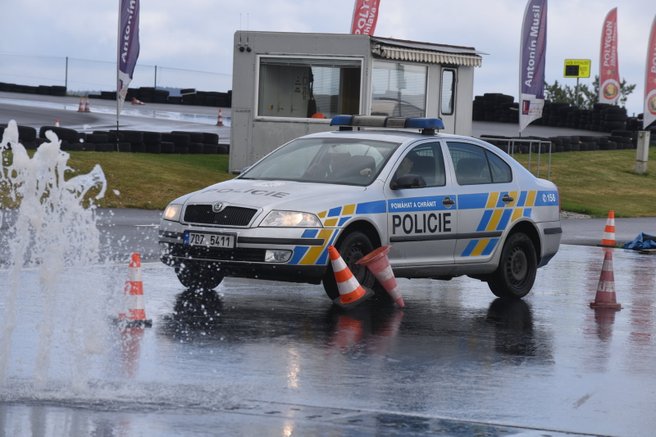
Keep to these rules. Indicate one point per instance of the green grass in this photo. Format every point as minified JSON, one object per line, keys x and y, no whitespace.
{"x":596,"y":182}
{"x":589,"y":182}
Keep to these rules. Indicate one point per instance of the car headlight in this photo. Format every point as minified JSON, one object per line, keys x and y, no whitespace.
{"x":172,"y":212}
{"x":291,"y":219}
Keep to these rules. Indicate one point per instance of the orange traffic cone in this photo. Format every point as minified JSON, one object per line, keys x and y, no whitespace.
{"x":136,"y":101}
{"x":605,"y":297}
{"x":378,"y":263}
{"x":351,"y":292}
{"x":80,"y":107}
{"x":56,"y":122}
{"x":87,"y":108}
{"x":608,"y":240}
{"x":136,"y":313}
{"x":219,"y":120}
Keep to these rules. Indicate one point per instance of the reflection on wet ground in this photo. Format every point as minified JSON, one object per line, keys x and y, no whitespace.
{"x":279,"y":359}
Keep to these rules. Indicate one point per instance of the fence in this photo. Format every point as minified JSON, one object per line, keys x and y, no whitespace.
{"x":81,"y":76}
{"x":525,"y":145}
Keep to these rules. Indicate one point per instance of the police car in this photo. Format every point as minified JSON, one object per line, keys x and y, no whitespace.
{"x":447,"y":205}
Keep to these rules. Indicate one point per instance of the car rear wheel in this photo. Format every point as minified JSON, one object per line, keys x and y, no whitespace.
{"x":515,"y":274}
{"x":198,"y":276}
{"x":351,"y":248}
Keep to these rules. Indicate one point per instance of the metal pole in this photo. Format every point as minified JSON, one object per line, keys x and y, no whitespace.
{"x":66,"y":75}
{"x":155,"y":76}
{"x":118,"y":59}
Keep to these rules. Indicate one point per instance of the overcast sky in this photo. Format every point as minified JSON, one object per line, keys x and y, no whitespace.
{"x":198,"y":34}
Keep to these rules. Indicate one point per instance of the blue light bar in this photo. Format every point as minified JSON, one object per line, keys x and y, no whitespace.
{"x":389,"y":122}
{"x":342,"y":120}
{"x":424,"y":123}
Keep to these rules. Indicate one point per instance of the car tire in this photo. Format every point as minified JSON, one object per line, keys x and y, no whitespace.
{"x":351,"y":247}
{"x":515,"y":274}
{"x":198,"y":277}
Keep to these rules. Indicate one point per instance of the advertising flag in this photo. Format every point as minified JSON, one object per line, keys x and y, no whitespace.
{"x":609,"y":74}
{"x":128,"y":46}
{"x":532,"y":62}
{"x":650,"y":79}
{"x":365,"y":16}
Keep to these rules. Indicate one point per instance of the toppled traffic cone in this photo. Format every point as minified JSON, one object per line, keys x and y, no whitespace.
{"x":136,"y":313}
{"x":378,"y":263}
{"x":351,"y":293}
{"x":605,"y":297}
{"x":219,"y":120}
{"x":136,"y":101}
{"x":608,"y":240}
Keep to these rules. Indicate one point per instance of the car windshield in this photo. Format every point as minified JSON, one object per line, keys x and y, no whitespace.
{"x":325,"y":160}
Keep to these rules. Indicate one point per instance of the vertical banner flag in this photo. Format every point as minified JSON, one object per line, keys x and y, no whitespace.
{"x":365,"y":16}
{"x":532,"y":62}
{"x":128,"y":46}
{"x":650,"y":79}
{"x":609,"y":74}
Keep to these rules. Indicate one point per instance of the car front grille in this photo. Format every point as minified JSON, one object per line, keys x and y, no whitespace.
{"x":229,"y":216}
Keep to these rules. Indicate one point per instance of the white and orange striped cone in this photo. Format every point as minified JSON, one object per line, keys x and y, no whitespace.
{"x":608,"y":240}
{"x":378,"y":263}
{"x":219,"y":120}
{"x":136,"y":313}
{"x":80,"y":107}
{"x":87,"y":107}
{"x":605,"y":297}
{"x":351,"y":293}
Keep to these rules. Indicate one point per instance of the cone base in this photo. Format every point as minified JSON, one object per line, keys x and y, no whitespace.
{"x":400,"y":303}
{"x":606,"y":306}
{"x":125,"y":323}
{"x":367,"y":294}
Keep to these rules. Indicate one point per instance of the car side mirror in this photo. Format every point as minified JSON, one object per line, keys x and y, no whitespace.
{"x":408,"y":181}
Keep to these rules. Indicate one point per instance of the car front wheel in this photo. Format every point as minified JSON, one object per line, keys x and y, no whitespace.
{"x":515,"y":274}
{"x":198,"y":276}
{"x":351,"y":248}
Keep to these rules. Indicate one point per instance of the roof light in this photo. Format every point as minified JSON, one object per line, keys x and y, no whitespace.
{"x":389,"y":122}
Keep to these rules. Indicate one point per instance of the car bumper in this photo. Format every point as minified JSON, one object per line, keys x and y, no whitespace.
{"x":256,"y":253}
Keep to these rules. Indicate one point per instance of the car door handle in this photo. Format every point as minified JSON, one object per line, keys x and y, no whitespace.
{"x":506,"y":198}
{"x":448,"y":201}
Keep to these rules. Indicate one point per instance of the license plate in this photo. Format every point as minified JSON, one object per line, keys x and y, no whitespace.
{"x":224,"y":241}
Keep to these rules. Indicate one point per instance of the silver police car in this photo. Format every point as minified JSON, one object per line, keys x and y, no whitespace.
{"x":447,"y":205}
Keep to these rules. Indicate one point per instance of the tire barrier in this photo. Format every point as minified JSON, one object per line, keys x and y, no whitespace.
{"x":124,"y":141}
{"x":501,"y":108}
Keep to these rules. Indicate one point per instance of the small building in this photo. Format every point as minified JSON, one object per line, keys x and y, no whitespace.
{"x":290,"y":84}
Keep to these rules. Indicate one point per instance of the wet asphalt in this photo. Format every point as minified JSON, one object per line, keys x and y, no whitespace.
{"x":270,"y":358}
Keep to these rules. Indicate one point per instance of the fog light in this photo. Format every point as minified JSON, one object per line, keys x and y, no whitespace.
{"x":277,"y":256}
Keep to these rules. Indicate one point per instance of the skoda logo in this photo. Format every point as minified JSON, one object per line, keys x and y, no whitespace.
{"x":218,"y":207}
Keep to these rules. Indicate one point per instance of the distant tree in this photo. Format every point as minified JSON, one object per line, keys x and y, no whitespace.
{"x":587,"y":96}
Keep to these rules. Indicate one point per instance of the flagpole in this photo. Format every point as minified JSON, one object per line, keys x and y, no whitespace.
{"x":118,"y":59}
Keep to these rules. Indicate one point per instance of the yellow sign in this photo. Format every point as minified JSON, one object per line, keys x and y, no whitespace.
{"x":577,"y":68}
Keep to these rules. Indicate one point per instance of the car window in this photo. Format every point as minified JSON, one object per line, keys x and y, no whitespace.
{"x":425,"y":160}
{"x":476,"y":165}
{"x":325,"y":160}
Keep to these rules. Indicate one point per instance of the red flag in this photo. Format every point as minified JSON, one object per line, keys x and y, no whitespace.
{"x":365,"y":16}
{"x":609,"y":74}
{"x":650,"y":79}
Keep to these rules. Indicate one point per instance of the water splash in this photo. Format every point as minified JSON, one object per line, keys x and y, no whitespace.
{"x":50,"y":224}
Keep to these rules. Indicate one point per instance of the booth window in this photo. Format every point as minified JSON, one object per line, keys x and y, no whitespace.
{"x":308,"y":87}
{"x":448,"y":91}
{"x":398,"y":89}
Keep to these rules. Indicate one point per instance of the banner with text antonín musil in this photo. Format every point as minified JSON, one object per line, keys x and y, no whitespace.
{"x":609,"y":73}
{"x":650,"y":79}
{"x":532,"y":62}
{"x":128,"y":46}
{"x":365,"y":16}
